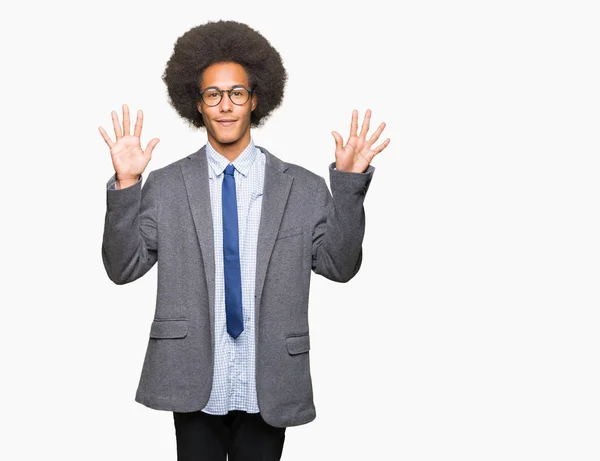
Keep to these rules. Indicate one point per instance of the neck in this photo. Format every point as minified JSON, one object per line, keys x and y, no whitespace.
{"x":232,"y":150}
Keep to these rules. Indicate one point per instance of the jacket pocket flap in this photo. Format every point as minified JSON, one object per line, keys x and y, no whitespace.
{"x":169,"y":328}
{"x":298,"y":344}
{"x":289,"y":232}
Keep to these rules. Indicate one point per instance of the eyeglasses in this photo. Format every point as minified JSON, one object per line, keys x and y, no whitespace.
{"x":238,"y":95}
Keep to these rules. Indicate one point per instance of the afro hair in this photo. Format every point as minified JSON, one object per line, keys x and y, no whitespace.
{"x":217,"y":42}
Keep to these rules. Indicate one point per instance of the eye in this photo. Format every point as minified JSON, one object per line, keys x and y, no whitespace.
{"x":238,"y":92}
{"x":211,"y":94}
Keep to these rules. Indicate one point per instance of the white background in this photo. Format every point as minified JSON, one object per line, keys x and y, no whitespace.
{"x":472,"y":330}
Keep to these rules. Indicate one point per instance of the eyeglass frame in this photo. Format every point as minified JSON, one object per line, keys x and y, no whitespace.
{"x":236,"y":87}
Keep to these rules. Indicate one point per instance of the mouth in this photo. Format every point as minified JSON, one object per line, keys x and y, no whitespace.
{"x":226,"y":122}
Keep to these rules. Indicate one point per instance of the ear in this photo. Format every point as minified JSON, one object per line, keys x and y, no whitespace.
{"x":199,"y":106}
{"x":254,"y":102}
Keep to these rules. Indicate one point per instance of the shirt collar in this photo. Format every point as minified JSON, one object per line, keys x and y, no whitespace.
{"x":218,"y":162}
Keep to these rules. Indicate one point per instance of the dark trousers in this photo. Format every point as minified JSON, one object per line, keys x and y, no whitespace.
{"x":243,"y":436}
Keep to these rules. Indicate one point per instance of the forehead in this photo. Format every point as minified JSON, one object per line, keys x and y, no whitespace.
{"x":224,"y":75}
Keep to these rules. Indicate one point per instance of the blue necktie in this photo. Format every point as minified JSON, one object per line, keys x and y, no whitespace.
{"x":231,"y":256}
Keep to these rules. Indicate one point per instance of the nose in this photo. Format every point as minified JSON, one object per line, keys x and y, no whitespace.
{"x":225,"y":105}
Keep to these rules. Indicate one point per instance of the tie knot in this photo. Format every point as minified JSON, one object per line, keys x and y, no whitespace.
{"x":229,"y":169}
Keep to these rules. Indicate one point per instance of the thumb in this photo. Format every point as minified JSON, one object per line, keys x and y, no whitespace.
{"x":151,"y":145}
{"x":339,"y":142}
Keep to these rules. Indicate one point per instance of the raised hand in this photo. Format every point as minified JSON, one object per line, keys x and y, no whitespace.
{"x":356,"y":155}
{"x":128,"y":158}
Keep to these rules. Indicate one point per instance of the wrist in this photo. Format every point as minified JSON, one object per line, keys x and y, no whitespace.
{"x":122,"y":183}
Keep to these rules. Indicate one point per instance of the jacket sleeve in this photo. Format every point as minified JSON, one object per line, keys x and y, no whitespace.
{"x":130,"y":240}
{"x":340,"y":224}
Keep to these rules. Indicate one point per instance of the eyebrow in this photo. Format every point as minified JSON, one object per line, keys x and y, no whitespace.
{"x":237,"y":85}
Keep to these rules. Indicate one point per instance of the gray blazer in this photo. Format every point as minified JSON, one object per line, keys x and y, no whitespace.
{"x":302,"y":229}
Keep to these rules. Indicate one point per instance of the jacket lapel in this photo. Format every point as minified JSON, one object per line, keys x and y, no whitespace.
{"x":195,"y":177}
{"x":277,"y":187}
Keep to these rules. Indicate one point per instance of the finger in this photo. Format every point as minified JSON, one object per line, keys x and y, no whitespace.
{"x":375,"y":136}
{"x":380,"y":147}
{"x":139,"y":121}
{"x":339,"y":142}
{"x":366,"y":123}
{"x":126,"y":122}
{"x":116,"y":125}
{"x":354,"y":123}
{"x":107,"y":139}
{"x":150,"y":147}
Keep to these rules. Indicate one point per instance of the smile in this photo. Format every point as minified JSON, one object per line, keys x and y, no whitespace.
{"x":226,"y":122}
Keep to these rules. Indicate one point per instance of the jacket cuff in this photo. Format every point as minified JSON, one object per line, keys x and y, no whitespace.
{"x":350,"y":182}
{"x":117,"y":197}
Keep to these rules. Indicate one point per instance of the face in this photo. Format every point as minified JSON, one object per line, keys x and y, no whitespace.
{"x":227,"y":124}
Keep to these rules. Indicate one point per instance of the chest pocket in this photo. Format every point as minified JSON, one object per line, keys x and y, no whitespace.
{"x":292,"y":231}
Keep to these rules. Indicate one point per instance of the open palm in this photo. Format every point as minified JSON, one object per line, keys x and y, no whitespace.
{"x":128,"y":158}
{"x":356,"y":155}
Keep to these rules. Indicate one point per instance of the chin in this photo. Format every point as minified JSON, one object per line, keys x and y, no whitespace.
{"x":227,"y":139}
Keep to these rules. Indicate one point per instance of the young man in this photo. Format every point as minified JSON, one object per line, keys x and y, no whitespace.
{"x":236,"y":233}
